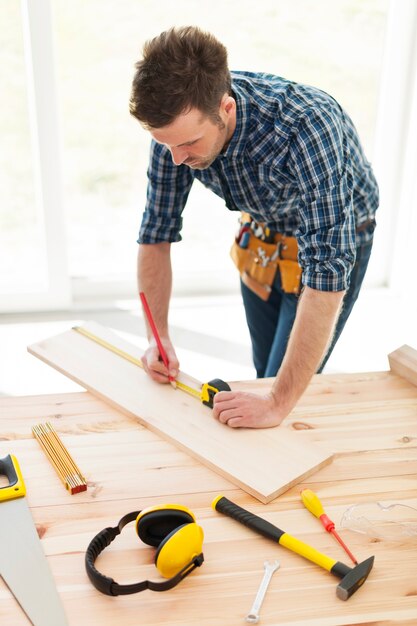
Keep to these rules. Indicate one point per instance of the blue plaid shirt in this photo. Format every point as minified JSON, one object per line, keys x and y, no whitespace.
{"x":294,"y":162}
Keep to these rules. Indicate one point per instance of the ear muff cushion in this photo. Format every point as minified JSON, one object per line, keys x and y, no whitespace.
{"x":155,"y":526}
{"x":178,"y":549}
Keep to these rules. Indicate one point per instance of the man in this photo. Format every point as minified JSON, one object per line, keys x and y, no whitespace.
{"x":287,"y":155}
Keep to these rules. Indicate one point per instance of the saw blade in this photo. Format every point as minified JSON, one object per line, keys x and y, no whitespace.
{"x":24,"y":567}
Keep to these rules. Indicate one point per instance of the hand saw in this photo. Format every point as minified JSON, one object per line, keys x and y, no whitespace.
{"x":23,"y":564}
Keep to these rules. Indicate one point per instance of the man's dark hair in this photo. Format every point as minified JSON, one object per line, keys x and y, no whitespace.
{"x":181,"y":69}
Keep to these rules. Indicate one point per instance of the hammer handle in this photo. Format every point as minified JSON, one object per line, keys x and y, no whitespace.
{"x":268,"y":530}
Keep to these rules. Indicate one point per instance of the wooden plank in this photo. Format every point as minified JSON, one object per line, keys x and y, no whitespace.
{"x":403,"y":362}
{"x":262,"y":462}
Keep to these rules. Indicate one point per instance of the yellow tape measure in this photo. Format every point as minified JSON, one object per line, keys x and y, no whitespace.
{"x":125,"y":355}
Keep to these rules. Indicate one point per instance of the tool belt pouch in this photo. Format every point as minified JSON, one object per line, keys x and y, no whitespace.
{"x":256,"y":273}
{"x":290,"y":276}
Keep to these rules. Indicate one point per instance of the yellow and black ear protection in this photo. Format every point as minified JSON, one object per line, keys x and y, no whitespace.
{"x":172,"y":529}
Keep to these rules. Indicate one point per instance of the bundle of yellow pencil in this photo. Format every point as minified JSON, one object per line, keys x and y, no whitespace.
{"x":60,"y":458}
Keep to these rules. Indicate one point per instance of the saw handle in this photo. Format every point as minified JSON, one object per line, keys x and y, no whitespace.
{"x":9,"y":467}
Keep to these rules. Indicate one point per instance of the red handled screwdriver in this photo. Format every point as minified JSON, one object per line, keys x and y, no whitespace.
{"x":313,"y":504}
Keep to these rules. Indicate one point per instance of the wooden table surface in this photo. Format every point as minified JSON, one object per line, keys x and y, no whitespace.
{"x":369,"y":419}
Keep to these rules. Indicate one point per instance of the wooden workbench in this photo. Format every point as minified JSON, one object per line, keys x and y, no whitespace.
{"x":369,"y":419}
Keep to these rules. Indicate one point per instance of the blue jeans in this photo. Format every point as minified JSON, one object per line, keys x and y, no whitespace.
{"x":270,"y":322}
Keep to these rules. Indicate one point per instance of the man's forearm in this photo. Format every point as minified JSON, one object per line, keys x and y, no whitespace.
{"x":154,"y":275}
{"x":313,"y":329}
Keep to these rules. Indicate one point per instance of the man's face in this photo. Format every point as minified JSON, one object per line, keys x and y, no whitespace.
{"x":195,"y":139}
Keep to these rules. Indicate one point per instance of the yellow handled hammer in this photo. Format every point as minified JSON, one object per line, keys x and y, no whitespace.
{"x":351,"y":577}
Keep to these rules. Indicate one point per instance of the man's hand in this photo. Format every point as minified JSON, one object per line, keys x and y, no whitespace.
{"x":316,"y":317}
{"x":239,"y":409}
{"x":153,"y":364}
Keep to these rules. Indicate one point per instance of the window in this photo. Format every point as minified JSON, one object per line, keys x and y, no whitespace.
{"x":22,"y":258}
{"x":33,"y":273}
{"x":88,"y":244}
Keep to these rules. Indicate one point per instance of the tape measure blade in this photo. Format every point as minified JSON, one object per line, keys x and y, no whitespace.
{"x":189,"y":384}
{"x":186,"y":383}
{"x":83,"y":330}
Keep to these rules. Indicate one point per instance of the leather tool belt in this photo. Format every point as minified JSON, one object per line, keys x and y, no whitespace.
{"x":259,"y":253}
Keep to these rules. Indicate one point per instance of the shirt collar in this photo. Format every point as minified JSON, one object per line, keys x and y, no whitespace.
{"x":237,"y":143}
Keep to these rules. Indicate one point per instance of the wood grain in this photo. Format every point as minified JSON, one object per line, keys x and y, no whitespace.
{"x":403,"y":361}
{"x":265,"y":463}
{"x":130,"y":467}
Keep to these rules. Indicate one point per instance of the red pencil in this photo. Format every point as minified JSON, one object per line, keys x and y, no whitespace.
{"x":155,"y":333}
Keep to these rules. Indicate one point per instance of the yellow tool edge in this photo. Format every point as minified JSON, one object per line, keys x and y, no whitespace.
{"x":16,"y":488}
{"x":125,"y":355}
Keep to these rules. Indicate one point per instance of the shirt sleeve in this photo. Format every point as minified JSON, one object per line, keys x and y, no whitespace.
{"x":321,"y":164}
{"x":167,"y":193}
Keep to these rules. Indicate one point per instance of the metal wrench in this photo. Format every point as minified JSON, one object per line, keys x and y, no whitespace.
{"x":270,"y":567}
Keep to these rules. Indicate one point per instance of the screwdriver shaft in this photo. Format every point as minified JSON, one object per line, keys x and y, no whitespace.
{"x":344,"y":546}
{"x":313,"y":504}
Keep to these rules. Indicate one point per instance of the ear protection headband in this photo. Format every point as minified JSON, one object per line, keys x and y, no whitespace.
{"x":170,"y":528}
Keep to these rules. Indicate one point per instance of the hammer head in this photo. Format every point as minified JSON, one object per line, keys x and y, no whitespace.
{"x":354,"y":579}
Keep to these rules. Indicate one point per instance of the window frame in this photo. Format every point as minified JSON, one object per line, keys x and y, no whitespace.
{"x":46,"y":155}
{"x":395,"y":160}
{"x":395,"y":163}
